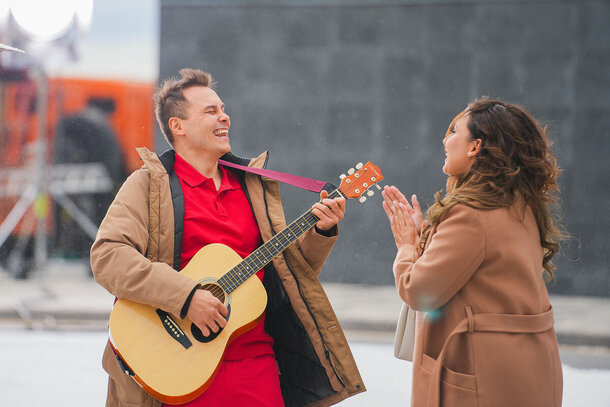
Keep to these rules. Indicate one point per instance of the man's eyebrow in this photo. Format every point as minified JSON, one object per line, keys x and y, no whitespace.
{"x":222,"y":106}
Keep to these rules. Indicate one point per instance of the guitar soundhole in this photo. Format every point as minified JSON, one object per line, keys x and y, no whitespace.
{"x":215,"y":290}
{"x":220,"y":294}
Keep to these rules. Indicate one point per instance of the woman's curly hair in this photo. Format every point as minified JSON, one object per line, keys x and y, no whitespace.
{"x":514,"y":161}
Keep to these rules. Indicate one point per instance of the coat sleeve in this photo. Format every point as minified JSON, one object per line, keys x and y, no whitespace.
{"x":454,"y":253}
{"x":118,"y":255}
{"x":316,"y":247}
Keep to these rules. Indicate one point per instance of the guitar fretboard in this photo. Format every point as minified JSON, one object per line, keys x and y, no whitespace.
{"x":266,"y":252}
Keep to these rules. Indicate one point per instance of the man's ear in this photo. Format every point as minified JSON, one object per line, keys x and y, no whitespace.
{"x":175,"y":125}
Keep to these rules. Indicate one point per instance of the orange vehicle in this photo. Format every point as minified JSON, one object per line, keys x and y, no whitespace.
{"x":131,"y":121}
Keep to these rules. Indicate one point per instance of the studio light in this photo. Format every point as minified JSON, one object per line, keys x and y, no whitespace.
{"x":44,"y":20}
{"x":45,"y":30}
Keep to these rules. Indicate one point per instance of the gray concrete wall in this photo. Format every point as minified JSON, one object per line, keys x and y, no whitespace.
{"x":323,"y":86}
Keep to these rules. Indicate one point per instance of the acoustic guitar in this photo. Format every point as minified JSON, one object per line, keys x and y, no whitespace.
{"x":170,"y":357}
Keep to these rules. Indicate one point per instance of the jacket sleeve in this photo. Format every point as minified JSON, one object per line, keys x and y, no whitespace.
{"x":118,"y":255}
{"x":454,"y":253}
{"x":316,"y":247}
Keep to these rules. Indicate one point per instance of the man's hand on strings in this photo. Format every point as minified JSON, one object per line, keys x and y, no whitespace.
{"x":207,"y":312}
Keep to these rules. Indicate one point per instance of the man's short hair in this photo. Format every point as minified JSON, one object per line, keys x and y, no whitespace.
{"x":169,"y":100}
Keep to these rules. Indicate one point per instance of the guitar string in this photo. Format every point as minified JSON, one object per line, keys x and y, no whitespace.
{"x":293,"y":227}
{"x":236,"y":281}
{"x":259,"y":253}
{"x":307,"y":223}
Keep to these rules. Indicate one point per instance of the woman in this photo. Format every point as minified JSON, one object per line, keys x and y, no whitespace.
{"x":477,"y":265}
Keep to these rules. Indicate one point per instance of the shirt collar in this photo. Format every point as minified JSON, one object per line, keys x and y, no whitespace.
{"x":193,"y":178}
{"x":230,"y":180}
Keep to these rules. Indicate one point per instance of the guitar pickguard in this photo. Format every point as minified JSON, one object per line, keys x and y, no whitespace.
{"x":198,"y":335}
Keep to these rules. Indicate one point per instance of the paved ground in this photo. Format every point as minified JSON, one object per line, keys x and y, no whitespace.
{"x":64,"y":297}
{"x":63,"y":368}
{"x":53,"y":329}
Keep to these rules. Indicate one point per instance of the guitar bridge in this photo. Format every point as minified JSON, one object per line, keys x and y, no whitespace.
{"x":173,"y":329}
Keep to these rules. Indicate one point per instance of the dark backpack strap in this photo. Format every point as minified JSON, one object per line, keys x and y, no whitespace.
{"x":167,"y":159}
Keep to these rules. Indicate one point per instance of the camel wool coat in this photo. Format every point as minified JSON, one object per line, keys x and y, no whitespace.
{"x":485,"y":337}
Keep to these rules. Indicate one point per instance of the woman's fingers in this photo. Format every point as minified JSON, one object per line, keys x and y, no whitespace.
{"x":415,"y":203}
{"x":388,"y":203}
{"x":416,"y":213}
{"x":405,"y":220}
{"x":387,"y":210}
{"x":405,"y":216}
{"x":395,"y":194}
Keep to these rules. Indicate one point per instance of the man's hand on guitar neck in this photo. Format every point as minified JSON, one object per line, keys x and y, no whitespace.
{"x":207,"y":312}
{"x":329,"y":211}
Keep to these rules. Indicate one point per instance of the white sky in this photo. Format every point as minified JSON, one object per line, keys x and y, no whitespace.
{"x":122,"y":43}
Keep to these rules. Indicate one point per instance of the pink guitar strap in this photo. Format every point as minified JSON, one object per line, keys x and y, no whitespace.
{"x":301,"y":182}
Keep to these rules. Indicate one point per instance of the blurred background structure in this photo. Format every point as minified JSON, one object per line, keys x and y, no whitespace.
{"x":66,"y":143}
{"x":323,"y":85}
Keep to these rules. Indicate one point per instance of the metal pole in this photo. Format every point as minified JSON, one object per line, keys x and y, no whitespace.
{"x":41,"y":205}
{"x":79,"y":216}
{"x":18,"y":211}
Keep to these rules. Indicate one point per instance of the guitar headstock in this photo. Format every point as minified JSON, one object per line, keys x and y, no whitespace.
{"x":358,"y":182}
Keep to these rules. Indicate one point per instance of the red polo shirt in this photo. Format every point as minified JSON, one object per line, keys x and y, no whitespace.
{"x":222,"y":216}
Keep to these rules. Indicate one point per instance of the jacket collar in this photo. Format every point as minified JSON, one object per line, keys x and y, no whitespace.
{"x":257,"y":162}
{"x":165,"y":162}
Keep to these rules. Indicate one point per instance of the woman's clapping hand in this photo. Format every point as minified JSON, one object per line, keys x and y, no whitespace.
{"x":406,"y":220}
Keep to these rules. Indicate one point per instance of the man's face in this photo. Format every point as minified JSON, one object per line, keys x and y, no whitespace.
{"x":206,"y":128}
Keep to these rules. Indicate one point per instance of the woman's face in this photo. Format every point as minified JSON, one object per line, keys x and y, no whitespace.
{"x":460,"y":148}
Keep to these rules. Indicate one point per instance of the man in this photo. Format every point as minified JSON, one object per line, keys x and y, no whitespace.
{"x":179,"y":202}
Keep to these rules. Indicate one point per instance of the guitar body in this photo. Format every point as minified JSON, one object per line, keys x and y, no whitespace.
{"x":172,"y":360}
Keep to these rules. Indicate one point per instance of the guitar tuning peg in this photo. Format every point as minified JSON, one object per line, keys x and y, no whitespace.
{"x":342,"y":176}
{"x":359,"y":165}
{"x":362,"y":199}
{"x":378,"y":187}
{"x":370,"y":193}
{"x":351,"y":171}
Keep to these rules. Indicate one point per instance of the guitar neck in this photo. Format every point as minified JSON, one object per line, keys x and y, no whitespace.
{"x":269,"y":250}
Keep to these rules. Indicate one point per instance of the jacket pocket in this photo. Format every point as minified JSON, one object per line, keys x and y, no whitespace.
{"x":457,"y":389}
{"x":518,"y":369}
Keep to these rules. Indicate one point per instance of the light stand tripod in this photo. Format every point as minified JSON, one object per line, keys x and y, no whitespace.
{"x":54,"y":181}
